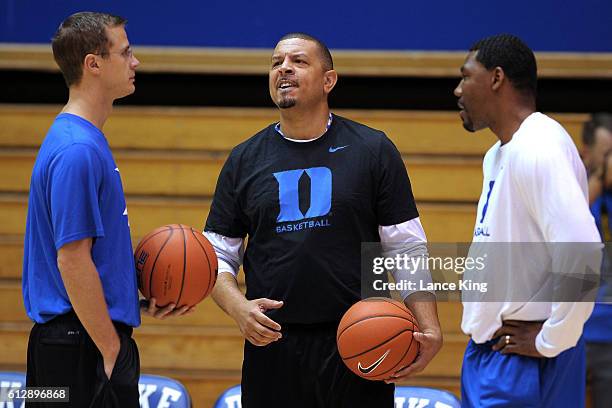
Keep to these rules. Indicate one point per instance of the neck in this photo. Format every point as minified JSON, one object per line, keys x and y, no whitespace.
{"x":89,"y":104}
{"x":510,"y":119}
{"x":296,"y":124}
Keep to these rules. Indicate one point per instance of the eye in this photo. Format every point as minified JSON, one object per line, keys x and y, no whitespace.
{"x":127,"y":53}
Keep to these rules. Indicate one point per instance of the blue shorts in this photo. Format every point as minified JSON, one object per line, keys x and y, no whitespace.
{"x":492,"y":379}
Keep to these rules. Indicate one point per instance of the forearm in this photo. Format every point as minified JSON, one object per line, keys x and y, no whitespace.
{"x":227,"y":294}
{"x":425,"y":309}
{"x":84,"y":289}
{"x":407,"y":240}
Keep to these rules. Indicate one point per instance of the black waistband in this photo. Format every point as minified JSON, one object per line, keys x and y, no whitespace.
{"x":73,"y":318}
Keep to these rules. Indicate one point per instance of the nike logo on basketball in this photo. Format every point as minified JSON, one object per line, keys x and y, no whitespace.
{"x":374,"y":366}
{"x":335,"y":149}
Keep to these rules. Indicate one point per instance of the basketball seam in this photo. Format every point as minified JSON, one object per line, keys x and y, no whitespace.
{"x":371,"y":317}
{"x":178,"y":300}
{"x":378,"y":345}
{"x":393,"y":303}
{"x":400,"y":360}
{"x":155,"y":262}
{"x":141,"y":243}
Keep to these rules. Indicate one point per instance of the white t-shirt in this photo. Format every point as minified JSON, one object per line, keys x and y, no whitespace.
{"x":534,"y":190}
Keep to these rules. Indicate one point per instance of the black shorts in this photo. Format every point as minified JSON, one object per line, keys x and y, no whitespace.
{"x":304,"y":369}
{"x":61,"y":354}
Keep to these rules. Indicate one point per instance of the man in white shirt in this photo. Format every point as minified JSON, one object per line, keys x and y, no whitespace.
{"x":525,"y":348}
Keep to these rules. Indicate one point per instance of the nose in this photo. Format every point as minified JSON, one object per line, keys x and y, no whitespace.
{"x":286,"y":67}
{"x":135,"y":62}
{"x":458,"y":90}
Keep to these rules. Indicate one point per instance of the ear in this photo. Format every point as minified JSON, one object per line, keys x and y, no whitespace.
{"x":497,"y":78}
{"x":329,"y":80}
{"x":91,"y":65}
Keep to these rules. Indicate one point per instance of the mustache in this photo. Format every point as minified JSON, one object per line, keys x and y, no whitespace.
{"x":287,"y":79}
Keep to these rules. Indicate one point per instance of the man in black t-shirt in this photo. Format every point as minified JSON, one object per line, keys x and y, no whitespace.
{"x":307,"y":191}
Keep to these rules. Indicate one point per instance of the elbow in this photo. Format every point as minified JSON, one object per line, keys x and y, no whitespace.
{"x":560,"y":335}
{"x":68,"y":265}
{"x":64,"y":261}
{"x":551,"y":350}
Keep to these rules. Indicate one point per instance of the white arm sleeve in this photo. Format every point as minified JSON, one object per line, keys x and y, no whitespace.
{"x":230,"y":252}
{"x":550,"y":185}
{"x":406,"y":238}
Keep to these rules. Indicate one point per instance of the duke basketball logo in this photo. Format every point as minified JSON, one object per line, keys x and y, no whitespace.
{"x":289,"y":198}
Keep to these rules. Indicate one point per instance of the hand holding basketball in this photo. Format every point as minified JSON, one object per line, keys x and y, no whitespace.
{"x":429,"y":337}
{"x":375,"y":338}
{"x":177,"y":267}
{"x":430,"y":343}
{"x":150,"y":308}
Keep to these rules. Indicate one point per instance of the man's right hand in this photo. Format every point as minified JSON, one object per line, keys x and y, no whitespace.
{"x":255,"y":326}
{"x":82,"y":282}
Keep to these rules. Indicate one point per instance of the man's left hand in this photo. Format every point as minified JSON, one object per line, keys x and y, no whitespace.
{"x":517,"y":337}
{"x":430,"y":342}
{"x":150,"y":309}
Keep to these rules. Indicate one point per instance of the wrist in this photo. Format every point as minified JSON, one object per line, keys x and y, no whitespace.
{"x":111,"y":350}
{"x":234,"y":309}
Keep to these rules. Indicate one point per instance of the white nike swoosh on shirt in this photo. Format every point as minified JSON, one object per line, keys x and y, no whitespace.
{"x":335,"y":149}
{"x":117,"y":169}
{"x":374,"y":365}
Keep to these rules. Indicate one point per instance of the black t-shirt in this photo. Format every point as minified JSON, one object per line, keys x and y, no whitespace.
{"x":306,"y":208}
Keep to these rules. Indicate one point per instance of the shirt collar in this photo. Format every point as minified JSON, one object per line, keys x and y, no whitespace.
{"x":278,"y":129}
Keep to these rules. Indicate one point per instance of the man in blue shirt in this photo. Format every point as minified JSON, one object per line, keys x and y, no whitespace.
{"x":597,"y":156}
{"x":79,"y":280}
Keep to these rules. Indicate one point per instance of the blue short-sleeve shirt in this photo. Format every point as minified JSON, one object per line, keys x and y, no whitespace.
{"x":76,"y":193}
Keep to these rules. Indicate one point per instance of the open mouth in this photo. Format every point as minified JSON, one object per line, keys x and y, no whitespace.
{"x":461,"y":110}
{"x":285,"y":84}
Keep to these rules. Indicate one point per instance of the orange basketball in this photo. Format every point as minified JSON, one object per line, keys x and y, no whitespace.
{"x":175,"y":264}
{"x":375,"y":338}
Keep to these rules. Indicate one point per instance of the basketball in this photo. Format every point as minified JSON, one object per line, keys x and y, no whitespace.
{"x":175,"y":264}
{"x":375,"y":338}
